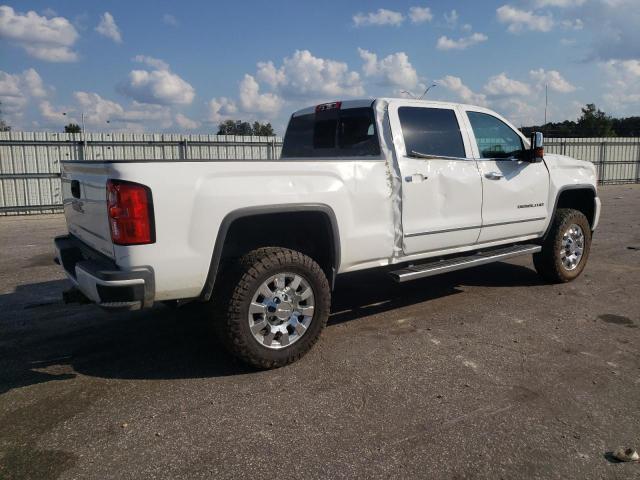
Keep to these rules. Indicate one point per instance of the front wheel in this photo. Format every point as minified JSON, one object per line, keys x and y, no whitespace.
{"x":566,"y":249}
{"x":272,"y":306}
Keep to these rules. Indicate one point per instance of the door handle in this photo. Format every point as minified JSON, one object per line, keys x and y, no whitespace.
{"x":494,"y":175}
{"x":416,"y":177}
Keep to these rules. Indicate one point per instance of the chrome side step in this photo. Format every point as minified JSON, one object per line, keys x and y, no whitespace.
{"x":413,"y":272}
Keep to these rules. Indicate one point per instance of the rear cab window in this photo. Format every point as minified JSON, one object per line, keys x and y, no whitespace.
{"x":431,"y":131}
{"x":335,"y":132}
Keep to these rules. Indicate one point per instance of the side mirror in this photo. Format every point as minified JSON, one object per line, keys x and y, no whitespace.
{"x":537,"y":147}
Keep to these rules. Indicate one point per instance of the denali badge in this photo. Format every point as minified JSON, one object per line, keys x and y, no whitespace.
{"x":531,"y":205}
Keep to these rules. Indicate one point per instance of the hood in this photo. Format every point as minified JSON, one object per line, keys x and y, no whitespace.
{"x":571,"y":170}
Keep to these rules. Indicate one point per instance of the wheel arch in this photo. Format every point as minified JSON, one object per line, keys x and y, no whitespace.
{"x":330,"y":227}
{"x":580,"y":197}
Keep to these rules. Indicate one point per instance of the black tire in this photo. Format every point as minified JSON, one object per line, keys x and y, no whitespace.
{"x":241,"y":280}
{"x":548,"y":262}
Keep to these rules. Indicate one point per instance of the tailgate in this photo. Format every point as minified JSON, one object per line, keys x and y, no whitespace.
{"x":85,"y":204}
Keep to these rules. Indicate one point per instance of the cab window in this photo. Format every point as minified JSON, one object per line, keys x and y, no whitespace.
{"x":495,"y":139}
{"x":431,"y":131}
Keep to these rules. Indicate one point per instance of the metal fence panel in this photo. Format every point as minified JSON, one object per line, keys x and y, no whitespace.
{"x":30,"y":162}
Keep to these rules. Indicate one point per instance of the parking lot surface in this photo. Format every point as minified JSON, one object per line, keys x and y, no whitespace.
{"x":483,"y":373}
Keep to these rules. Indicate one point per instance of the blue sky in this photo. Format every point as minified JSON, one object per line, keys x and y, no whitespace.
{"x":166,"y":66}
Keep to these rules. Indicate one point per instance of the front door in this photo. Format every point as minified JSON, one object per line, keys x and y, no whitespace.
{"x":441,"y":185}
{"x":514,"y":191}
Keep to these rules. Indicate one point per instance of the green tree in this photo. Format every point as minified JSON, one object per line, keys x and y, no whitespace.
{"x":72,"y":128}
{"x":263,"y":129}
{"x":3,"y":125}
{"x":238,"y":127}
{"x":594,"y":122}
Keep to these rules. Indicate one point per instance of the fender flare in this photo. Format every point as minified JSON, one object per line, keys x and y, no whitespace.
{"x":231,"y":217}
{"x":577,"y":186}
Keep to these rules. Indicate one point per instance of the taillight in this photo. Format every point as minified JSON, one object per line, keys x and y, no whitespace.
{"x":130,"y":210}
{"x":328,"y":106}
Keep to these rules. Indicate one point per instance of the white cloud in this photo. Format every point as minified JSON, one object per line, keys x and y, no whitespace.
{"x":446,"y":43}
{"x":420,"y":14}
{"x":159,"y":86}
{"x":553,"y":79}
{"x":613,"y":25}
{"x":186,"y":123}
{"x":16,"y":90}
{"x":559,"y":3}
{"x":310,"y":76}
{"x":622,"y":80}
{"x":502,"y":86}
{"x":98,"y":111}
{"x":108,"y":28}
{"x":394,"y":69}
{"x":381,"y":17}
{"x":170,"y":20}
{"x":519,"y":20}
{"x":268,"y":73}
{"x":462,"y":92}
{"x":221,"y":109}
{"x":575,"y":24}
{"x":48,"y":39}
{"x":451,"y":18}
{"x":151,"y":62}
{"x":252,"y":101}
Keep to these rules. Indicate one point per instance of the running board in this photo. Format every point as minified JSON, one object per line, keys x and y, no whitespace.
{"x":413,"y":272}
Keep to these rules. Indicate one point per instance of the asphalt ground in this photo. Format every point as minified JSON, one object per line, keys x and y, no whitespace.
{"x":483,"y":373}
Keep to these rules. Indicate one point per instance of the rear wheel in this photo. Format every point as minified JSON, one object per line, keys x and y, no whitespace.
{"x":566,"y":249}
{"x":272,"y":307}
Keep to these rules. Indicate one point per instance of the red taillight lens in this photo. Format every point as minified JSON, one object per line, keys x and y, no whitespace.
{"x":328,"y":106}
{"x":130,"y":210}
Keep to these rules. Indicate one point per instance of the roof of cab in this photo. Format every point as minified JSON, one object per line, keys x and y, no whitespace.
{"x":367,"y":102}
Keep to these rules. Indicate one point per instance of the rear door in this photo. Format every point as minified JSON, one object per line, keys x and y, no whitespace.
{"x":514,"y":191}
{"x":84,"y":187}
{"x":441,"y":189}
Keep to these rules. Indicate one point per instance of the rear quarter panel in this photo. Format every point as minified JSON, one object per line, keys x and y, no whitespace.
{"x":192,"y":198}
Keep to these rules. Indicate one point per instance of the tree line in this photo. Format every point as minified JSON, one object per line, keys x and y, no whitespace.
{"x":592,"y":123}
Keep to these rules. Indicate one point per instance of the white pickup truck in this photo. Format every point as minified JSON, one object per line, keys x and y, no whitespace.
{"x":414,"y":187}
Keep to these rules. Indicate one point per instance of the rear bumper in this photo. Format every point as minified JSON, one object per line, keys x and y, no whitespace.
{"x":101,"y":280}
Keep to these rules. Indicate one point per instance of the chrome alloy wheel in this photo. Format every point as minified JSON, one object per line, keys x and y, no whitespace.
{"x":281,"y":310}
{"x":572,"y":247}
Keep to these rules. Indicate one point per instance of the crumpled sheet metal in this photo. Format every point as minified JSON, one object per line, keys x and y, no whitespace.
{"x":394,"y":178}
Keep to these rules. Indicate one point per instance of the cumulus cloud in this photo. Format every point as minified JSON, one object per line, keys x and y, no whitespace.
{"x":99,"y":111}
{"x":379,"y":18}
{"x":502,"y":86}
{"x":306,"y":75}
{"x":151,"y":62}
{"x":158,"y":86}
{"x":108,"y":28}
{"x":461,"y":91}
{"x":252,"y":101}
{"x":394,"y":69}
{"x":622,"y":81}
{"x":16,"y":90}
{"x":519,"y":20}
{"x":48,"y":39}
{"x":446,"y":43}
{"x":221,"y":109}
{"x":186,"y":123}
{"x":553,"y":79}
{"x":420,"y":14}
{"x":268,"y":73}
